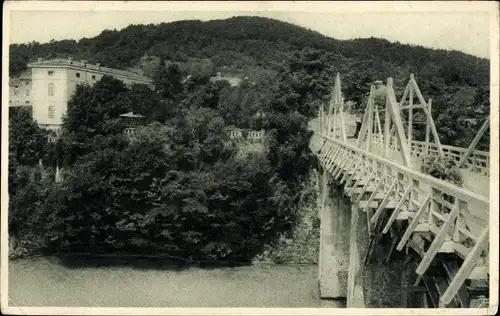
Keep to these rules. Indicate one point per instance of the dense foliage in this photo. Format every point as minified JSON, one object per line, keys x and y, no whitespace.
{"x":178,"y":187}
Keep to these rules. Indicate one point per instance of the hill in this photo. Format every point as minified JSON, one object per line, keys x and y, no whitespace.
{"x":253,"y":46}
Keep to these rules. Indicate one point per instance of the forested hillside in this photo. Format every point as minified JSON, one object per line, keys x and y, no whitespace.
{"x":257,"y":47}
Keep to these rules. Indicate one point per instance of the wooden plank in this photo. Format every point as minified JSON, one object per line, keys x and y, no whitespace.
{"x":365,"y":205}
{"x":394,"y":214}
{"x":360,"y":188}
{"x":421,"y":228}
{"x":414,"y":106}
{"x":384,"y":201}
{"x":476,"y":140}
{"x":414,"y":222}
{"x":438,"y":241}
{"x":465,"y":269}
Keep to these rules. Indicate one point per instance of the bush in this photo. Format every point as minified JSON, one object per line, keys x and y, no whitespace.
{"x":442,"y":168}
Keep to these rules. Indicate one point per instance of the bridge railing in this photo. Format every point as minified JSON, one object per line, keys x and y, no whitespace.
{"x":478,"y":161}
{"x":452,"y":213}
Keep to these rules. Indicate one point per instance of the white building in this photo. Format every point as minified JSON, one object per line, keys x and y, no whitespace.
{"x":54,"y":82}
{"x":20,"y":90}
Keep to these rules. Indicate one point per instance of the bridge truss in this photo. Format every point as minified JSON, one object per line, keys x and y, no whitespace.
{"x":380,"y":174}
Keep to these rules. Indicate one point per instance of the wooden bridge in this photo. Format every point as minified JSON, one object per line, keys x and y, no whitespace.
{"x":380,"y":173}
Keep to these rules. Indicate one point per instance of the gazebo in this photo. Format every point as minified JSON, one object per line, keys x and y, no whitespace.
{"x":131,"y":120}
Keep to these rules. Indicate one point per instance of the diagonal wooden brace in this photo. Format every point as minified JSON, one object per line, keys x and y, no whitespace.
{"x":396,"y":210}
{"x":414,"y":223}
{"x":384,"y":201}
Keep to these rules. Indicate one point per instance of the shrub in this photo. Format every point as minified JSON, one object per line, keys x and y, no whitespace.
{"x":442,"y":168}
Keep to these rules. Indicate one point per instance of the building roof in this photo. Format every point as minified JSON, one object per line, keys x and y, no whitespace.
{"x":83,"y":65}
{"x":132,"y":115}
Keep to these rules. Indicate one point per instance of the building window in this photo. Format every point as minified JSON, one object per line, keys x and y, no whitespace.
{"x":51,"y":89}
{"x":26,"y":82}
{"x":16,"y":87}
{"x":26,"y":102}
{"x":51,"y":111}
{"x":51,"y":72}
{"x":93,"y":77}
{"x":16,"y":92}
{"x":78,"y":75}
{"x":27,"y":92}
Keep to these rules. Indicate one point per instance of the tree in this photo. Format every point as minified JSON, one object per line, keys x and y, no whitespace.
{"x":27,"y":141}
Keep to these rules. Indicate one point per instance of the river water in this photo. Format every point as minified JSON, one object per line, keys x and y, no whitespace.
{"x":46,"y":282}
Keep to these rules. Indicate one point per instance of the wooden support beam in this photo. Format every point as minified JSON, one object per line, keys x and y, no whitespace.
{"x":371,"y":102}
{"x":354,"y":164}
{"x":342,"y":122}
{"x":384,"y":201}
{"x":428,"y":129}
{"x":332,"y":154}
{"x":414,"y":222}
{"x":331,"y":157}
{"x":405,"y":94}
{"x":476,"y":140}
{"x":394,"y":214}
{"x":364,"y":187}
{"x":329,"y":162}
{"x":410,"y":118}
{"x":428,"y":114}
{"x":396,"y":115}
{"x":351,"y":191}
{"x":451,"y":268}
{"x":387,"y":130}
{"x":325,"y":151}
{"x":366,"y":118}
{"x":465,"y":269}
{"x":345,"y":159}
{"x":342,"y":165}
{"x":361,"y":163}
{"x":370,"y":199}
{"x":353,"y":257}
{"x":438,"y":241}
{"x":379,"y":125}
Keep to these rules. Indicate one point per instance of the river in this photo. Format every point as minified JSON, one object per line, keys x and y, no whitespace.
{"x":45,"y":281}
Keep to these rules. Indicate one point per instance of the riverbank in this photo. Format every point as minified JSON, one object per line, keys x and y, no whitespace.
{"x":45,"y":281}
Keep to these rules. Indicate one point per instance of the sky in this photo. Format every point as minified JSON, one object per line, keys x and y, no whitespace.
{"x":460,"y":30}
